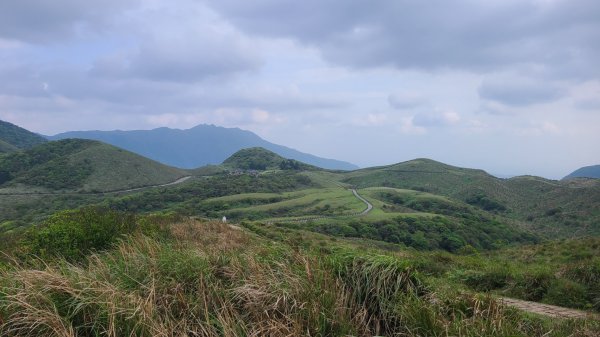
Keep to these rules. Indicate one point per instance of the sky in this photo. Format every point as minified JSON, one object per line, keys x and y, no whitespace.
{"x":508,"y":86}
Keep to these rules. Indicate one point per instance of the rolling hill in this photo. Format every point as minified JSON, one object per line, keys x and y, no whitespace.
{"x":257,"y":158}
{"x":198,"y":146}
{"x":585,"y":172}
{"x":555,"y":208}
{"x":13,"y":138}
{"x":83,"y":165}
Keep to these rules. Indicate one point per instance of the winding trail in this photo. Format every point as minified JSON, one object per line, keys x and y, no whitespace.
{"x":369,"y":205}
{"x":547,"y":310}
{"x":176,"y":182}
{"x":319,"y":217}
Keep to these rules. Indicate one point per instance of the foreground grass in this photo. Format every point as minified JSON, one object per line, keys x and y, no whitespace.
{"x":210,"y":279}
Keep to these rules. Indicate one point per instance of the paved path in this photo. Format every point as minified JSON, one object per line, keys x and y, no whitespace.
{"x":369,"y":205}
{"x":319,"y":217}
{"x":546,"y":309}
{"x":178,"y":181}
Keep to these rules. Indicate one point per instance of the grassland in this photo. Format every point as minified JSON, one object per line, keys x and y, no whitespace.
{"x":169,"y":276}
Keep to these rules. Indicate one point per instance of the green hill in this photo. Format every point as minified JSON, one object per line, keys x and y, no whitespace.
{"x":84,"y":165}
{"x":259,"y":159}
{"x":7,"y":148}
{"x":17,"y":137}
{"x":554,"y":208}
{"x":585,"y":172}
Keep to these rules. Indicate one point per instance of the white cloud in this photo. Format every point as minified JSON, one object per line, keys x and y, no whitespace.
{"x":436,"y":118}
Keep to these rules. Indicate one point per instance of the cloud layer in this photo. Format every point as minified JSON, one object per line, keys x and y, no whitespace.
{"x":453,"y":80}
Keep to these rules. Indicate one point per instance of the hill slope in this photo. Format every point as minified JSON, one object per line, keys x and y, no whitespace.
{"x":553,"y":207}
{"x":12,"y":136}
{"x":198,"y":146}
{"x":585,"y":172}
{"x":83,"y":165}
{"x":7,"y":148}
{"x":257,"y":158}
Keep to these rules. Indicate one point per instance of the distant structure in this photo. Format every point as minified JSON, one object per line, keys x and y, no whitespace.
{"x":224,"y":219}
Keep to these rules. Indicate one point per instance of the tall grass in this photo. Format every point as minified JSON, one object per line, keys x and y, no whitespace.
{"x":210,"y":279}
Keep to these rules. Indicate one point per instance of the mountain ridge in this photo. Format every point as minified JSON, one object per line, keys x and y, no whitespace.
{"x":197,"y":146}
{"x":13,"y":138}
{"x":592,"y":171}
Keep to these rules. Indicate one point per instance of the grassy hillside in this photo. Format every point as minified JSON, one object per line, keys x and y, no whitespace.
{"x":81,"y":165}
{"x":553,"y":207}
{"x":6,"y":147}
{"x":163,"y":276}
{"x":18,"y":137}
{"x":259,"y":159}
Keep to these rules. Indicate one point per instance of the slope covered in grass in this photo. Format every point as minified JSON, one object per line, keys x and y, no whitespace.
{"x":260,"y":159}
{"x":552,"y":207}
{"x":18,"y":137}
{"x":210,"y":279}
{"x":6,"y":147}
{"x":83,"y":165}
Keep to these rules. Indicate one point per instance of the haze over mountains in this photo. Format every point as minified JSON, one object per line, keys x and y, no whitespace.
{"x":198,"y":146}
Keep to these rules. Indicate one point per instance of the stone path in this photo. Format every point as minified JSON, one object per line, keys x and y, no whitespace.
{"x":547,"y":310}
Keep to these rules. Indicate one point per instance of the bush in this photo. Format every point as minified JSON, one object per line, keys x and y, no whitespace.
{"x":495,"y":277}
{"x":533,"y":285}
{"x":73,"y":234}
{"x":566,"y":293}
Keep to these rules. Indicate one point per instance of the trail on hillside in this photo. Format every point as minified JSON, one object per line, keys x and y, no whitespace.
{"x":319,"y":217}
{"x":178,"y":181}
{"x":547,"y":309}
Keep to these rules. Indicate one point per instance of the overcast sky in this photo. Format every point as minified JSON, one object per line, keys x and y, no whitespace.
{"x":509,"y":86}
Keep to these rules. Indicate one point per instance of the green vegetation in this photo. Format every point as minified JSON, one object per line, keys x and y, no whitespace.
{"x":210,"y":279}
{"x":6,"y":147}
{"x":13,"y":137}
{"x":81,"y":164}
{"x":523,"y":199}
{"x":439,"y":244}
{"x":259,"y":159}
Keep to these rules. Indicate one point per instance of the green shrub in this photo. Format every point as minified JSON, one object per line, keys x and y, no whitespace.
{"x":566,"y":293}
{"x":72,"y":234}
{"x":533,"y":284}
{"x":494,"y":277}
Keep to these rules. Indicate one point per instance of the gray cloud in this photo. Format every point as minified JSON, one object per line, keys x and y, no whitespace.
{"x":518,"y":91}
{"x":405,"y":100}
{"x":41,"y":21}
{"x":459,"y":34}
{"x":182,"y":59}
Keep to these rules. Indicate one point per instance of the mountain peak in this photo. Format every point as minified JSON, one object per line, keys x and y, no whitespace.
{"x":201,"y":145}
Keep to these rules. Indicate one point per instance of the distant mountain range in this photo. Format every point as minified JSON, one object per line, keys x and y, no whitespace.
{"x":198,"y":146}
{"x":585,"y":172}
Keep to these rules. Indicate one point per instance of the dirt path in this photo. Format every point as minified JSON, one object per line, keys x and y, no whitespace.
{"x":178,"y":181}
{"x":546,"y":309}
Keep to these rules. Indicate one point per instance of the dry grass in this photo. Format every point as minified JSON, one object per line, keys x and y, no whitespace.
{"x":214,"y":280}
